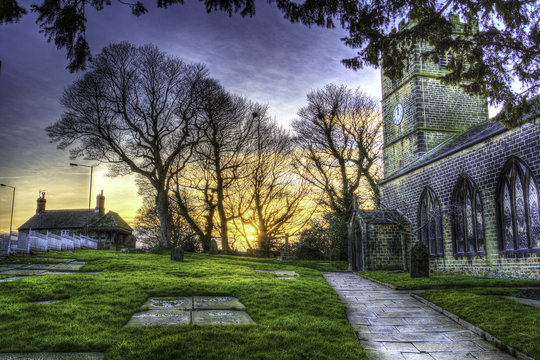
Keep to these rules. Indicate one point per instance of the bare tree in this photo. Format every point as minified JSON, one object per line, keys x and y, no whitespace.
{"x":339,"y":138}
{"x":226,"y":129}
{"x":134,"y":110}
{"x":147,"y":226}
{"x":194,"y":195}
{"x":275,"y":192}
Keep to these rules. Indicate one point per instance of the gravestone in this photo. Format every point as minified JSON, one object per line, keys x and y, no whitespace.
{"x":213,"y":247}
{"x":177,"y":254}
{"x":419,"y":260}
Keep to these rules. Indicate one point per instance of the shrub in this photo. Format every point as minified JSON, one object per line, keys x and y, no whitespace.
{"x":325,"y":239}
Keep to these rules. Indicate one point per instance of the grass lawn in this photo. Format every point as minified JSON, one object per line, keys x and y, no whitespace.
{"x":513,"y":323}
{"x":404,"y":281}
{"x":301,"y":319}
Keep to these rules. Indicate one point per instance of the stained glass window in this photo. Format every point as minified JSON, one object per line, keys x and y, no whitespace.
{"x":518,"y":207}
{"x":468,"y":218}
{"x":430,"y":222}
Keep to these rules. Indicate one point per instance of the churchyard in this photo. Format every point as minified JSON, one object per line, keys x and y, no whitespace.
{"x":95,"y":304}
{"x":292,"y":313}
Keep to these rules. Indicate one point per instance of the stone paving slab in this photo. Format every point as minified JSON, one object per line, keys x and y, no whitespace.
{"x":52,"y":356}
{"x":392,"y":325}
{"x":185,"y":303}
{"x":221,"y":317}
{"x":160,"y":317}
{"x":216,"y":302}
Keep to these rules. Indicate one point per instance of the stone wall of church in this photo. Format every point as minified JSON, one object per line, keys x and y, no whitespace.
{"x":384,"y":247}
{"x":483,"y":163}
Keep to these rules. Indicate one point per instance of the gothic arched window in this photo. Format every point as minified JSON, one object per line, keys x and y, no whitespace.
{"x":518,"y":207}
{"x":430,"y":222}
{"x":468,"y":218}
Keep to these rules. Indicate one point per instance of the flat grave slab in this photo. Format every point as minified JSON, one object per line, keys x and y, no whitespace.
{"x":281,"y":272}
{"x":38,"y":266}
{"x":53,"y":258}
{"x":11,"y":278}
{"x":47,"y":302}
{"x":217,"y":302}
{"x":185,"y":303}
{"x":209,"y":310}
{"x":23,"y":272}
{"x":53,"y":356}
{"x":221,"y":317}
{"x":530,"y":302}
{"x":286,"y":278}
{"x":160,"y":317}
{"x":49,"y":272}
{"x":5,"y":267}
{"x":72,"y":266}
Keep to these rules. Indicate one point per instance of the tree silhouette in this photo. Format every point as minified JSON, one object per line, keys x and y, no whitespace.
{"x":134,"y":110}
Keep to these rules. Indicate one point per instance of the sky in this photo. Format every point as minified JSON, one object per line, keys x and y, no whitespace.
{"x":265,"y":58}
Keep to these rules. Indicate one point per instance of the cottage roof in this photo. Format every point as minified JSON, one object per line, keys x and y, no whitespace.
{"x":382,"y":216}
{"x":110,"y":221}
{"x":452,"y":145}
{"x":57,"y":219}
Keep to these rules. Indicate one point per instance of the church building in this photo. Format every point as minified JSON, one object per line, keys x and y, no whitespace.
{"x":463,"y":185}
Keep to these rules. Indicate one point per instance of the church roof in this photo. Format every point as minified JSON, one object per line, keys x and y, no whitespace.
{"x":57,"y":219}
{"x":452,"y":145}
{"x":382,"y":216}
{"x":110,"y":221}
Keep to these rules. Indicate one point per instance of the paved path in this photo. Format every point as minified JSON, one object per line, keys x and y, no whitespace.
{"x":392,"y":325}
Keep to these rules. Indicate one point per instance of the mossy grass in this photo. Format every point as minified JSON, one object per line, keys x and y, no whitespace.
{"x":513,"y":323}
{"x":301,"y":319}
{"x":403,"y":280}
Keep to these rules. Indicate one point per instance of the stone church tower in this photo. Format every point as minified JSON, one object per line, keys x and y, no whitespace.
{"x":464,"y":186}
{"x":420,"y":113}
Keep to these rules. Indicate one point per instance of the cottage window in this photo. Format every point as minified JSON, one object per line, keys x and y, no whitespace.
{"x":430,"y":222}
{"x":518,"y":207}
{"x":468,"y":218}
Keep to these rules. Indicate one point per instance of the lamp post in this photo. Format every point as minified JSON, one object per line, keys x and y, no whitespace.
{"x":90,"y":193}
{"x":12,"y":205}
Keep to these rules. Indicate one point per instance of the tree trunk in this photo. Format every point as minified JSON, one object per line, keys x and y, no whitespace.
{"x":221,"y":211}
{"x":162,"y":202}
{"x":223,"y":228}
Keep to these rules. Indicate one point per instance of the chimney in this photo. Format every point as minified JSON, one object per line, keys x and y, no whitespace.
{"x":41,"y":203}
{"x":100,"y":204}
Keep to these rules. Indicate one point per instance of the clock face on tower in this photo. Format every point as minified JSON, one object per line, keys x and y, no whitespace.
{"x":398,"y":114}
